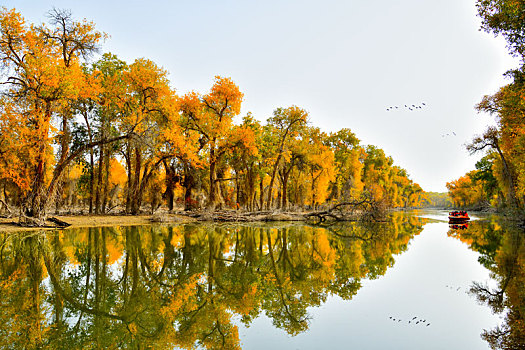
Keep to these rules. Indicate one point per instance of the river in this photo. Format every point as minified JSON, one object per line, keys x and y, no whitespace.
{"x":413,"y":282}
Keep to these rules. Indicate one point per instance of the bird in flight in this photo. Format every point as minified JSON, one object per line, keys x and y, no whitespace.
{"x":410,"y":107}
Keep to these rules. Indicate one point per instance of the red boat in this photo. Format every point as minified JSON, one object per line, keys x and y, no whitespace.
{"x":456,"y":216}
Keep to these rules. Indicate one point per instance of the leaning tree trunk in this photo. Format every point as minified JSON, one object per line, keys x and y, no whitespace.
{"x":34,"y":207}
{"x":284,"y":178}
{"x":512,"y":189}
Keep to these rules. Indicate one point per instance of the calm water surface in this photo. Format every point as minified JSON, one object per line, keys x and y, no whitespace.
{"x":410,"y":283}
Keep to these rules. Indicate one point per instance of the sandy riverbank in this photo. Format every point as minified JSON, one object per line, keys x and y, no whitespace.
{"x":8,"y":225}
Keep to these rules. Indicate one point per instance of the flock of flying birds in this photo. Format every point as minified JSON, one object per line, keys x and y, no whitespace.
{"x":415,"y":107}
{"x":453,"y":288}
{"x":414,"y":321}
{"x":409,"y":107}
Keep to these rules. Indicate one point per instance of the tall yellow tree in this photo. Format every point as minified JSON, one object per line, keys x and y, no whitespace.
{"x":43,"y":74}
{"x":349,"y":156}
{"x":285,"y":124}
{"x":150,"y":109}
{"x":211,"y":116}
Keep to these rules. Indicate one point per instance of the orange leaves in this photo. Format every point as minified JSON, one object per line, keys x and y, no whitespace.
{"x":464,"y":192}
{"x":322,"y":169}
{"x":136,"y":100}
{"x":211,"y":114}
{"x":45,"y":61}
{"x":147,"y":79}
{"x":117,"y":173}
{"x":181,"y":300}
{"x":44,"y":76}
{"x":11,"y":22}
{"x":323,"y":252}
{"x":148,"y":97}
{"x":242,"y":139}
{"x":224,"y":98}
{"x":18,"y":141}
{"x":287,"y":122}
{"x":191,"y":106}
{"x":181,"y":144}
{"x":13,"y":34}
{"x":210,"y":117}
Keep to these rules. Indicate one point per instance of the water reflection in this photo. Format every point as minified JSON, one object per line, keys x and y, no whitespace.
{"x":462,"y":226}
{"x":181,"y":286}
{"x":502,"y":252}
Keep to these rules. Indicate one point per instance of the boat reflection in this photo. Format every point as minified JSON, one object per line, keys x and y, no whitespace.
{"x":459,"y":226}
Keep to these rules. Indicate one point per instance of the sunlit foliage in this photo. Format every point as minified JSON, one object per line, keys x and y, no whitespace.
{"x":85,"y":132}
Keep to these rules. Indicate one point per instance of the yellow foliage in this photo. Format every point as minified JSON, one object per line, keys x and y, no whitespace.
{"x":117,"y":173}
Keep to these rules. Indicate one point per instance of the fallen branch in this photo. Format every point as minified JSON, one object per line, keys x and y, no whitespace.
{"x":342,"y":211}
{"x":60,"y":223}
{"x":27,"y":221}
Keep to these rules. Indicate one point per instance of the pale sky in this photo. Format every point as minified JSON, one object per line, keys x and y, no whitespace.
{"x":345,"y":62}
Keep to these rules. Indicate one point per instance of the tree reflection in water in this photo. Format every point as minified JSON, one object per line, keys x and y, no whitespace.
{"x":502,"y":251}
{"x":181,"y":286}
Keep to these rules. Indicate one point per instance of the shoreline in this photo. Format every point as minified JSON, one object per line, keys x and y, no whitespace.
{"x":9,"y":225}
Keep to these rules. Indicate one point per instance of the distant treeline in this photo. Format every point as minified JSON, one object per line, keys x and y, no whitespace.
{"x":437,"y":200}
{"x":102,"y":134}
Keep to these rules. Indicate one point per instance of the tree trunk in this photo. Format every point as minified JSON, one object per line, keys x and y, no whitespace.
{"x":250,"y":188}
{"x":98,"y":188}
{"x":213,"y":195}
{"x":91,"y":164}
{"x":285,"y":192}
{"x":284,"y":178}
{"x":510,"y":179}
{"x":127,"y":156}
{"x":36,"y":201}
{"x":261,"y":193}
{"x":237,"y":192}
{"x":106,"y":181}
{"x":170,"y":185}
{"x":135,"y":192}
{"x":189,"y":184}
{"x":270,"y":188}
